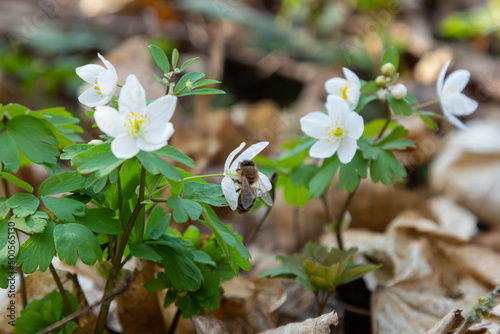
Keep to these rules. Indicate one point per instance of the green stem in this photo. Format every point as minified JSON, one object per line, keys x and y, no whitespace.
{"x":110,"y":283}
{"x":24,"y":293}
{"x":338,"y":230}
{"x":64,"y":296}
{"x":6,"y":188}
{"x":158,"y":200}
{"x":426,"y":104}
{"x":201,"y":177}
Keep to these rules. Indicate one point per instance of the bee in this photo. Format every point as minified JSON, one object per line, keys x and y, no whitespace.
{"x":251,"y":187}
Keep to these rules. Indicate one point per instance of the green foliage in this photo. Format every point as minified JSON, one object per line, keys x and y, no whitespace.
{"x":204,"y":193}
{"x":35,"y":223}
{"x":60,"y":183}
{"x":96,"y":158}
{"x":73,"y":240}
{"x":157,"y":223}
{"x":64,"y":208}
{"x":324,"y":176}
{"x":175,"y":154}
{"x":100,"y":220}
{"x":8,"y":242}
{"x":155,"y":165}
{"x":160,"y":58}
{"x":318,"y":269}
{"x":18,"y":182}
{"x":184,"y":208}
{"x":38,"y":251}
{"x":23,"y":204}
{"x":391,"y":56}
{"x":39,"y":314}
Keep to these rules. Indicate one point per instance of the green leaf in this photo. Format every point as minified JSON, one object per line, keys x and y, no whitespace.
{"x":157,"y":223}
{"x":5,"y":273}
{"x":385,"y":167}
{"x":23,"y":204}
{"x":364,"y":100}
{"x":100,"y":220}
{"x":396,"y":133}
{"x":176,"y":154}
{"x":202,"y":91}
{"x":192,"y":76}
{"x":323,"y":178}
{"x":18,"y":182}
{"x":160,"y":58}
{"x":34,"y":139}
{"x":204,"y":192}
{"x":71,"y":151}
{"x":350,"y":174}
{"x":235,"y":252}
{"x":205,"y":82}
{"x":61,"y":183}
{"x":391,"y":56}
{"x":4,"y":208}
{"x":73,"y":240}
{"x":38,"y":251}
{"x":32,"y":224}
{"x":400,"y":144}
{"x":400,"y":107}
{"x":355,"y":272}
{"x":373,"y":128}
{"x":160,"y":80}
{"x":183,"y":208}
{"x":144,"y":251}
{"x":425,"y":116}
{"x":156,"y":165}
{"x":175,"y":57}
{"x":64,"y":208}
{"x":279,"y":272}
{"x":187,"y":63}
{"x":302,"y":174}
{"x":370,"y":87}
{"x":14,"y":110}
{"x":9,"y":244}
{"x":293,"y":195}
{"x":97,"y":159}
{"x":411,"y":99}
{"x":9,"y":154}
{"x":366,"y":147}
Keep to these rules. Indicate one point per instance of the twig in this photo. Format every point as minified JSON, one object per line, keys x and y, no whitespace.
{"x":119,"y":290}
{"x":24,"y":293}
{"x":173,"y":326}
{"x":64,"y":296}
{"x":426,"y":104}
{"x":6,"y":187}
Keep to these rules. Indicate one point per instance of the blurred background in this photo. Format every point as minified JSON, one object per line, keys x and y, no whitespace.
{"x":273,"y":58}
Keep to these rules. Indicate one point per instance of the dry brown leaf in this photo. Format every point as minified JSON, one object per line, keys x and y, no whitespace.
{"x":450,"y":322}
{"x":137,"y":307}
{"x":209,"y":325}
{"x":324,"y":324}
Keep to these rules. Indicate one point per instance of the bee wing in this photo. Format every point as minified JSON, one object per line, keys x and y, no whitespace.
{"x":247,"y":193}
{"x":262,"y":191}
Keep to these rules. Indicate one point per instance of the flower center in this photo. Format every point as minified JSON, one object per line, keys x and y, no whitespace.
{"x":98,"y":90}
{"x":343,"y":92}
{"x":136,"y":123}
{"x":337,"y":132}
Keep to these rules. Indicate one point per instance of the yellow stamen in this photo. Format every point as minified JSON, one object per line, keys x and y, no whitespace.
{"x":337,"y":132}
{"x":343,"y":92}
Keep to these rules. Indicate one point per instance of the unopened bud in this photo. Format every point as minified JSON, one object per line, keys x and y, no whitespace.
{"x":388,"y":69}
{"x":189,"y":85}
{"x":398,"y":91}
{"x":95,"y":142}
{"x":380,"y":81}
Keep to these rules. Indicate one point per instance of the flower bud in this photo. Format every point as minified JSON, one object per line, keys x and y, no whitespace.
{"x":381,"y":94}
{"x":95,"y":142}
{"x":388,"y":69}
{"x":398,"y":91}
{"x":380,"y":81}
{"x":189,"y":85}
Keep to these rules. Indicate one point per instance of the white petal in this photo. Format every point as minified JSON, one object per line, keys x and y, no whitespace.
{"x":352,"y":78}
{"x":231,"y":156}
{"x":229,"y":192}
{"x":109,"y":66}
{"x":265,"y":181}
{"x":324,"y":148}
{"x":355,"y":125}
{"x":107,"y":81}
{"x":335,"y":85}
{"x":440,"y":79}
{"x":146,"y":146}
{"x":132,"y":96}
{"x":337,"y":108}
{"x":347,"y":150}
{"x":456,"y":81}
{"x":89,"y":72}
{"x":249,"y":153}
{"x":315,"y":124}
{"x":162,"y":109}
{"x":124,"y":147}
{"x":90,"y":98}
{"x":458,"y":104}
{"x":110,"y":121}
{"x":159,"y":132}
{"x":456,"y":122}
{"x":353,"y":94}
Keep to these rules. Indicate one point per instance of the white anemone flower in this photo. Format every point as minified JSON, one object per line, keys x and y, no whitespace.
{"x":230,"y":181}
{"x":103,"y":82}
{"x":348,"y":89}
{"x":337,"y":132}
{"x":453,"y":102}
{"x":136,"y":127}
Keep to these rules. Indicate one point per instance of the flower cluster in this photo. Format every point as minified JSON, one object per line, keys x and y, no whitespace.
{"x":136,"y":126}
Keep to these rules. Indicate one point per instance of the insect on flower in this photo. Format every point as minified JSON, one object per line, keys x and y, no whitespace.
{"x":243,"y":182}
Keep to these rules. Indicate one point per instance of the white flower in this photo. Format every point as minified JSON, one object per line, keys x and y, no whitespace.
{"x":453,"y":101}
{"x":103,"y":82}
{"x":229,"y":184}
{"x":398,"y":91}
{"x":136,"y":126}
{"x":337,"y":132}
{"x":348,"y":89}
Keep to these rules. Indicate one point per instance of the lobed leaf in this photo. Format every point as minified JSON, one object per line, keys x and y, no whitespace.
{"x":75,"y":240}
